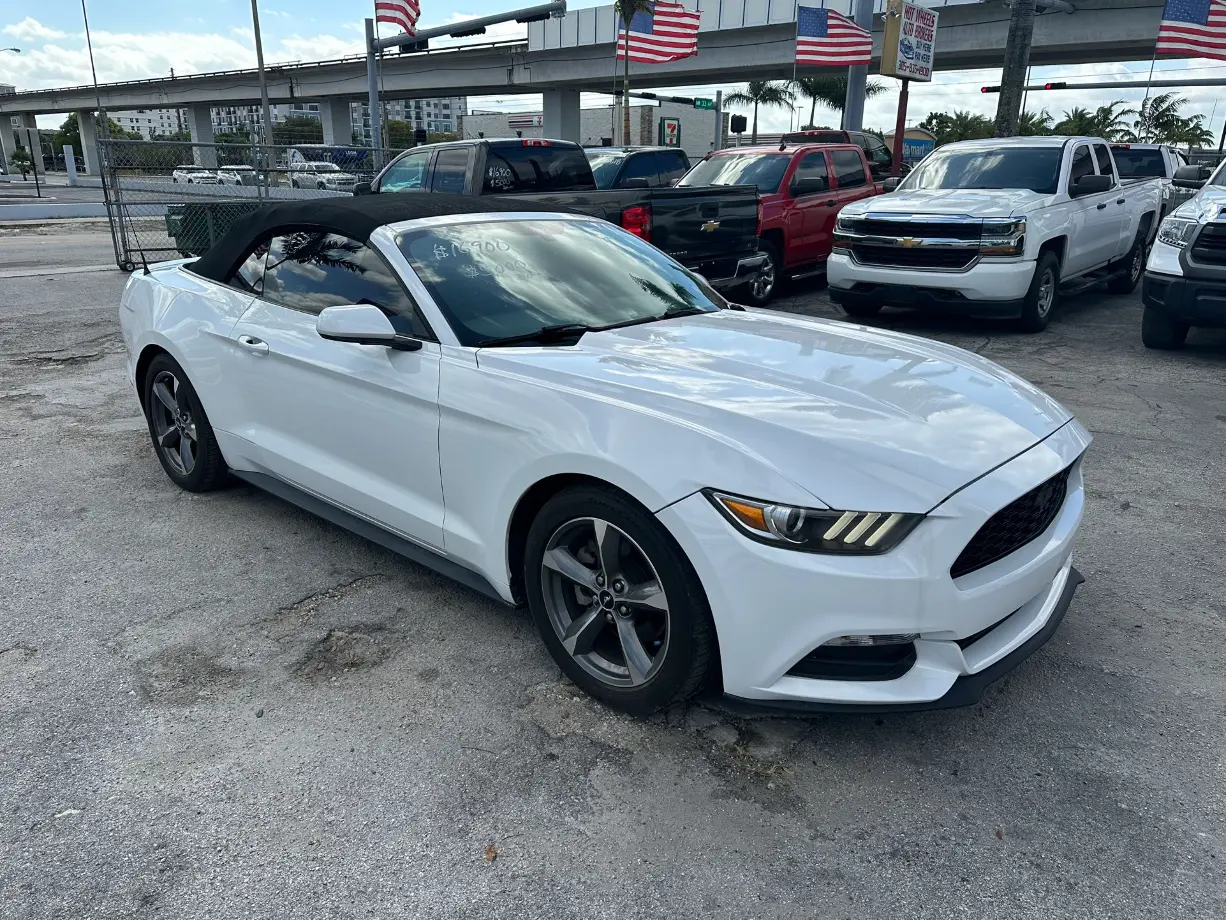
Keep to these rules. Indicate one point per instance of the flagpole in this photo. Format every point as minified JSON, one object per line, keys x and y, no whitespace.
{"x":1148,"y":83}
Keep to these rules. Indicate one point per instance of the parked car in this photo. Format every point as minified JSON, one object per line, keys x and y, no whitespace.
{"x":637,"y":167}
{"x":239,"y":175}
{"x":322,"y":176}
{"x":1153,"y":161}
{"x":880,"y":157}
{"x":1185,"y":279}
{"x":996,"y":228}
{"x":560,"y":415}
{"x":194,"y":175}
{"x":712,"y":231}
{"x":802,"y":189}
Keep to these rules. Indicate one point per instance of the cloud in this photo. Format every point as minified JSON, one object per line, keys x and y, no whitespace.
{"x":29,"y":30}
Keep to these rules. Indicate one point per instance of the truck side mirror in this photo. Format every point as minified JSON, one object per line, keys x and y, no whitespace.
{"x":891,"y":183}
{"x":809,"y":185}
{"x":1191,"y":177}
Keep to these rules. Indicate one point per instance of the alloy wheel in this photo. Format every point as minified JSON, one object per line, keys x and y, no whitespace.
{"x":605,"y":601}
{"x":1047,"y":292}
{"x":1138,"y":263}
{"x":762,"y":285}
{"x":174,"y":428}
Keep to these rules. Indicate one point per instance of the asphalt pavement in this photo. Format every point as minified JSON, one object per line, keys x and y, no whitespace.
{"x":219,"y":706}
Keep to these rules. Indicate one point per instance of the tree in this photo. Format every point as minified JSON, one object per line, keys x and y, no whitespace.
{"x":761,"y":92}
{"x":1034,"y":124}
{"x":69,"y":133}
{"x":831,"y":91}
{"x":21,"y":161}
{"x":298,"y":129}
{"x":1078,"y":122}
{"x":1159,"y":121}
{"x":1109,"y":123}
{"x":960,"y":126}
{"x":1192,"y":133}
{"x":399,"y":135}
{"x":625,"y":11}
{"x":1017,"y":58}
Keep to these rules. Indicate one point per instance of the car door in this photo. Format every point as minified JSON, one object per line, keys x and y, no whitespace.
{"x":851,"y":181}
{"x":451,"y":170}
{"x":672,"y":164}
{"x":1116,"y":211}
{"x":880,"y":159}
{"x":1088,"y":223}
{"x":639,"y":166}
{"x":810,"y":216}
{"x":354,"y":424}
{"x":407,"y":174}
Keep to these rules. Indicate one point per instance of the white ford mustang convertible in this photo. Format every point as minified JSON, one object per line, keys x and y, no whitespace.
{"x":805,"y":514}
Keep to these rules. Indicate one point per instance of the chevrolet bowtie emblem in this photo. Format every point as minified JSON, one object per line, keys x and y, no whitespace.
{"x":710,"y":226}
{"x":909,"y":242}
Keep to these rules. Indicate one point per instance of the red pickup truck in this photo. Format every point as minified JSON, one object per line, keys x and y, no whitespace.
{"x":801,"y":189}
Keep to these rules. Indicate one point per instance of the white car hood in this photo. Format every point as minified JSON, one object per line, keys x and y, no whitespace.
{"x":987,"y":203}
{"x":863,"y":419}
{"x":1206,"y":205}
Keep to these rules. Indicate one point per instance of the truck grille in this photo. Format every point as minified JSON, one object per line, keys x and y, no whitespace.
{"x":954,"y":230}
{"x":1210,"y":245}
{"x":920,"y":257}
{"x":1014,"y":525}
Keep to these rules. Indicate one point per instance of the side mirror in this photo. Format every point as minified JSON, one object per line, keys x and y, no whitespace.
{"x":809,"y":185}
{"x":362,"y":188}
{"x":362,"y":324}
{"x":1092,"y":185}
{"x":891,"y":183}
{"x":1191,"y":176}
{"x":637,"y":182}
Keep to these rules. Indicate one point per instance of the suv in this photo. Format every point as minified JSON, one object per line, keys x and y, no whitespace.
{"x":637,"y":167}
{"x":879,"y":157}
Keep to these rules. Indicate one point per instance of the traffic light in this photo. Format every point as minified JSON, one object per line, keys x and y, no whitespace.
{"x":989,"y":89}
{"x":737,"y":124}
{"x":1055,"y":86}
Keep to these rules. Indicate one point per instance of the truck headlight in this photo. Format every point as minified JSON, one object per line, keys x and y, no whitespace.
{"x":1176,"y":231}
{"x":1003,"y":237}
{"x":856,"y":533}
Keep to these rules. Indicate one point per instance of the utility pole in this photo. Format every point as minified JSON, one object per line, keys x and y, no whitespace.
{"x":857,"y":76}
{"x":1017,"y":60}
{"x":266,"y":114}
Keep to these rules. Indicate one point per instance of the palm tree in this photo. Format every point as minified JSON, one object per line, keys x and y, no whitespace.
{"x":1033,"y":124}
{"x":1159,"y":118}
{"x":1109,"y":123}
{"x":1192,"y":133}
{"x":831,"y":91}
{"x":1078,"y":122}
{"x":761,"y":92}
{"x":625,"y":11}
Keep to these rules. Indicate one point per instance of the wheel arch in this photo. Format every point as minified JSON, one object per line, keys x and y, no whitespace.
{"x":147,"y":354}
{"x":1057,"y":245}
{"x":1148,"y":227}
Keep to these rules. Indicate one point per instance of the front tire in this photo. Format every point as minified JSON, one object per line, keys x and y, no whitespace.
{"x":616,"y":601}
{"x":762,"y":288}
{"x":1134,"y":262}
{"x":1044,"y":292}
{"x":1160,"y":331}
{"x":182,"y":436}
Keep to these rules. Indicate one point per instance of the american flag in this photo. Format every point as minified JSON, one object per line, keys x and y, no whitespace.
{"x":668,"y":33}
{"x":1193,"y":28}
{"x":826,"y":37}
{"x":401,"y":13}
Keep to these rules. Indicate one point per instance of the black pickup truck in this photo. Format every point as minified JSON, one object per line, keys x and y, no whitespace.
{"x":712,"y":231}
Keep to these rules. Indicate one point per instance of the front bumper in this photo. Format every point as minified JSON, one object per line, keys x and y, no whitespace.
{"x":773,"y":606}
{"x":987,"y":289}
{"x":725,"y":274}
{"x":1190,"y":300}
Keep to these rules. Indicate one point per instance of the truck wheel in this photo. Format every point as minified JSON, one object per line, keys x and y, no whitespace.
{"x":762,"y":288}
{"x":1134,"y":264}
{"x":1160,"y":331}
{"x":1044,"y":291}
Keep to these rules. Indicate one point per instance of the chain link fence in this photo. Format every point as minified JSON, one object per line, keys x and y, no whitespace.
{"x":167,"y":199}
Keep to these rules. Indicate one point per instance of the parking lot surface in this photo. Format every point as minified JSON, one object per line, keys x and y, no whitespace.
{"x":219,"y":706}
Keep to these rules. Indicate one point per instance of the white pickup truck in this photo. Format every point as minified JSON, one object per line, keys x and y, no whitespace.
{"x":996,"y":228}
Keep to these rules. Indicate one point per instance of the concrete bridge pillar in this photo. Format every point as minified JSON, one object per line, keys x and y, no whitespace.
{"x":200,"y":124}
{"x":8,"y":140}
{"x":561,"y":115}
{"x":89,"y":141}
{"x":338,"y":128}
{"x":28,"y":137}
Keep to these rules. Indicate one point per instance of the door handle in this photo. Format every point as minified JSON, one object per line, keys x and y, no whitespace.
{"x":1101,"y":206}
{"x":253,"y":345}
{"x":830,"y":203}
{"x":1119,"y":200}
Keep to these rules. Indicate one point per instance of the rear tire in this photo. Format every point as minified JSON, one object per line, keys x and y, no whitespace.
{"x":1160,"y":331}
{"x":1043,"y":295}
{"x":182,"y":436}
{"x":628,"y":620}
{"x":1134,"y":267}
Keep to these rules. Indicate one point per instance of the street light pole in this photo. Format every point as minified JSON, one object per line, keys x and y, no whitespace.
{"x":266,"y":114}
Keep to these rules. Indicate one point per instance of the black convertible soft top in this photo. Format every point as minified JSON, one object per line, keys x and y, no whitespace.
{"x":357,"y":218}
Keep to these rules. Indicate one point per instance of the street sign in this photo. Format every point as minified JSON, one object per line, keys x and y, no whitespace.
{"x":910,"y":41}
{"x":704,"y":103}
{"x":670,"y":132}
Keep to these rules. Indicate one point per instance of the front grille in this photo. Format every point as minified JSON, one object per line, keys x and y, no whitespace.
{"x":896,"y":229}
{"x":1210,"y":245}
{"x":920,"y":257}
{"x":856,"y":662}
{"x":1014,"y":525}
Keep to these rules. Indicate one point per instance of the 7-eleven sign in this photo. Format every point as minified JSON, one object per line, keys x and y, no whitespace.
{"x":670,"y":132}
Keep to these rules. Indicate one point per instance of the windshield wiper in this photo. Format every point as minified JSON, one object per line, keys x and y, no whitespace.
{"x":546,"y":335}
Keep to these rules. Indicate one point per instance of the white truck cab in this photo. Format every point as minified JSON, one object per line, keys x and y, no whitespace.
{"x":995,"y":228}
{"x":1185,"y":279}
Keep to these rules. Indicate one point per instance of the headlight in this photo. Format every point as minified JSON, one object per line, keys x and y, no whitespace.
{"x":1176,"y":231}
{"x":858,"y":533}
{"x":842,"y":226}
{"x":1003,"y":237}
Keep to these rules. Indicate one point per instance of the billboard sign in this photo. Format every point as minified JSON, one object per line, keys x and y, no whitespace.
{"x":910,"y":41}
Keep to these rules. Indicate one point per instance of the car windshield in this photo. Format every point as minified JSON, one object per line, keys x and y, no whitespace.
{"x":1134,"y":163}
{"x":325,"y":167}
{"x":765,"y":170}
{"x":604,"y":168}
{"x":1035,"y":168}
{"x":501,"y":278}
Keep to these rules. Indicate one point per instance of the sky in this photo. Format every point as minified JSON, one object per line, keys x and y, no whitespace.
{"x":192,"y":37}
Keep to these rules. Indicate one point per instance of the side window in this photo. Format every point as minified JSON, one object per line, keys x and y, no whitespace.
{"x":878,"y":153}
{"x":813,"y":166}
{"x":1082,"y":164}
{"x":450,"y":171}
{"x":249,"y":276}
{"x":673,"y":165}
{"x":406,"y":173}
{"x":1103,"y":155}
{"x":311,"y":270}
{"x":848,"y":168}
{"x":640,"y":166}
